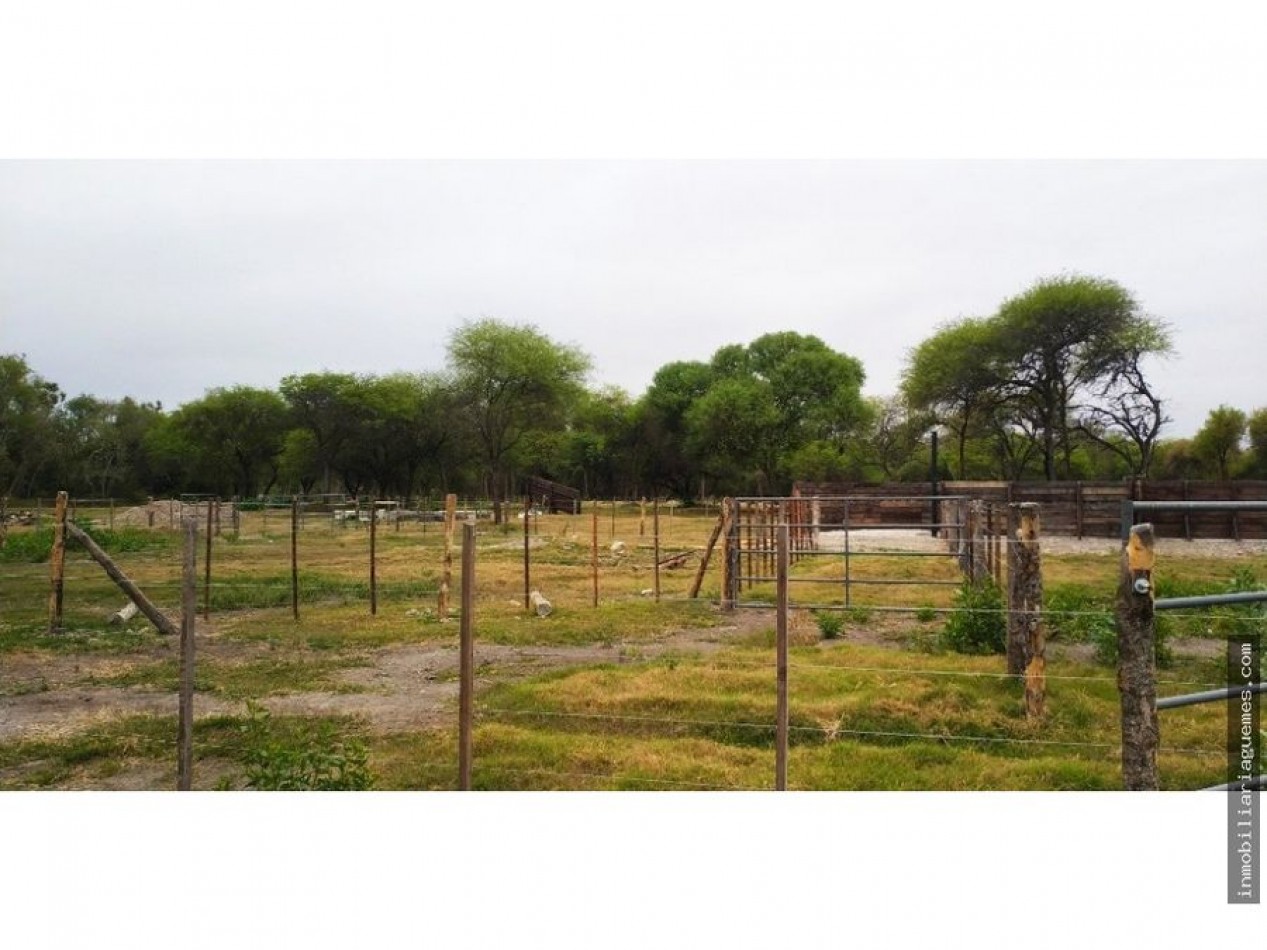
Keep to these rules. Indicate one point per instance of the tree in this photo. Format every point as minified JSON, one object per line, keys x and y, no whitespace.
{"x":512,"y":380}
{"x":236,"y":435}
{"x":1256,"y":426}
{"x":1218,"y":442}
{"x":327,"y":405}
{"x":29,"y":439}
{"x":1060,"y":337}
{"x":951,"y":376}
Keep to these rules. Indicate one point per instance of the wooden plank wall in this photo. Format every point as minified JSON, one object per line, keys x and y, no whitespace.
{"x":1074,"y":509}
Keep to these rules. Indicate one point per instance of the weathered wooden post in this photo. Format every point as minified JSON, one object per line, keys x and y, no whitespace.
{"x":730,"y":555}
{"x":780,"y":645}
{"x":1026,"y":638}
{"x":466,"y":658}
{"x":446,"y":580}
{"x":57,"y":564}
{"x":188,"y":609}
{"x":1137,"y":661}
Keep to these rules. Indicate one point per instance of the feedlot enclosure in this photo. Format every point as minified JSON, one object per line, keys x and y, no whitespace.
{"x":857,"y":552}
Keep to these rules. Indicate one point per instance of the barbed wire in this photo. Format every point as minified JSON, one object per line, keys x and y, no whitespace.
{"x":832,"y":731}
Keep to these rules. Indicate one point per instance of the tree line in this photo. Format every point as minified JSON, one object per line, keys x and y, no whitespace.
{"x":1052,"y":386}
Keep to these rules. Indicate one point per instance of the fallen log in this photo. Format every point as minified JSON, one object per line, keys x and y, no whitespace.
{"x":543,"y":607}
{"x":124,"y":614}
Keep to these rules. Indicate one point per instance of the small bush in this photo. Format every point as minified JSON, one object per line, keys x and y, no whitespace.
{"x":926,"y":614}
{"x":320,"y":761}
{"x":979,"y":623}
{"x":830,"y":623}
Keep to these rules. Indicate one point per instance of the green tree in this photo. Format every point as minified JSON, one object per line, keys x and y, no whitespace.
{"x":29,"y":431}
{"x":512,"y":380}
{"x":1256,"y":427}
{"x":236,"y":435}
{"x":1218,"y":442}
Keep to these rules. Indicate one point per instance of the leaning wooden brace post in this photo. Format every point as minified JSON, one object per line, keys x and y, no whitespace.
{"x":57,"y":564}
{"x":1137,"y":662}
{"x":151,"y":612}
{"x":466,"y":658}
{"x":446,"y":581}
{"x":708,"y":553}
{"x":1025,"y":593}
{"x":188,"y":608}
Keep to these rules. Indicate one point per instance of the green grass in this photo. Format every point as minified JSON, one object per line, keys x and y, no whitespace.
{"x":271,"y":676}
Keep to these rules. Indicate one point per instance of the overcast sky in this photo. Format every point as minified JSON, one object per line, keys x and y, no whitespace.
{"x":162,"y":279}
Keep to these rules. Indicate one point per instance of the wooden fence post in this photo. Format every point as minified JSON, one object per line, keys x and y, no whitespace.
{"x":1025,"y":639}
{"x":730,"y":554}
{"x":781,"y":711}
{"x":1137,"y":661}
{"x":446,"y":581}
{"x":57,"y":565}
{"x":188,"y":609}
{"x":466,"y":658}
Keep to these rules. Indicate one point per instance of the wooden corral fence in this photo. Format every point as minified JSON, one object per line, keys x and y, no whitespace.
{"x":554,"y":497}
{"x":1079,"y":509}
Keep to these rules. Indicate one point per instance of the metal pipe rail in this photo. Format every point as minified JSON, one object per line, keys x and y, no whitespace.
{"x":1209,"y":696}
{"x":1210,"y":600}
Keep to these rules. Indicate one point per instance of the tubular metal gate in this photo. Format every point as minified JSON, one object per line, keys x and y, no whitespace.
{"x":826,"y":529}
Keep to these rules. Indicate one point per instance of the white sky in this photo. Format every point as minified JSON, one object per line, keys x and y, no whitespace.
{"x":160,"y":279}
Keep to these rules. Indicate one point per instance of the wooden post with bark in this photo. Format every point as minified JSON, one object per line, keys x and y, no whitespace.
{"x":1137,"y":661}
{"x":57,"y":565}
{"x":188,"y":610}
{"x":466,"y":658}
{"x":1025,"y":637}
{"x":446,"y":579}
{"x":730,"y":554}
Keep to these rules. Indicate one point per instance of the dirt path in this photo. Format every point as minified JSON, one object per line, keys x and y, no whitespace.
{"x":398,"y":688}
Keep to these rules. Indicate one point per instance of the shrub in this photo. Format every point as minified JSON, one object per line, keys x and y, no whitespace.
{"x":830,"y":623}
{"x":319,"y":761}
{"x":979,"y":622}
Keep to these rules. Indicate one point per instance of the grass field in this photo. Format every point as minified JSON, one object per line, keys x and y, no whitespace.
{"x":631,"y":694}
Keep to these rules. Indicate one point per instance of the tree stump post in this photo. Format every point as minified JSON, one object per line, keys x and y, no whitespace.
{"x":57,"y":565}
{"x":1137,"y":661}
{"x":1025,"y":636}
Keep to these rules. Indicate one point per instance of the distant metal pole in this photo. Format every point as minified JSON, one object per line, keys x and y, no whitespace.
{"x":189,"y":607}
{"x":206,"y":587}
{"x":373,"y":557}
{"x":466,"y":658}
{"x":594,"y":550}
{"x":655,"y":527}
{"x":527,"y":556}
{"x":294,"y":556}
{"x":781,"y":723}
{"x":932,"y":478}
